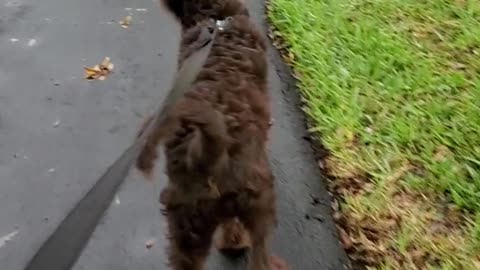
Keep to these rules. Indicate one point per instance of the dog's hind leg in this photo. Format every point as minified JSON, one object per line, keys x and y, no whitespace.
{"x":259,"y":219}
{"x":190,"y":241}
{"x":259,"y":256}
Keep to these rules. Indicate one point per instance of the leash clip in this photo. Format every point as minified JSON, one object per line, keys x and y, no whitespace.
{"x":222,"y":24}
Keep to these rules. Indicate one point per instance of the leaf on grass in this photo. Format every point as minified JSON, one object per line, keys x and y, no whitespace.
{"x":442,"y":153}
{"x":458,"y":66}
{"x":345,"y":239}
{"x":126,"y":21}
{"x":99,"y":72}
{"x":460,"y":3}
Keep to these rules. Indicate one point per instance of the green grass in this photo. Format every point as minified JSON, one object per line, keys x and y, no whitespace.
{"x":389,"y":85}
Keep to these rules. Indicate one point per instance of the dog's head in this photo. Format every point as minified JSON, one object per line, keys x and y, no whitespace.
{"x":193,"y":12}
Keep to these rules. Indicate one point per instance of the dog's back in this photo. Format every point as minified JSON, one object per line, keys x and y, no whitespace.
{"x":226,"y":113}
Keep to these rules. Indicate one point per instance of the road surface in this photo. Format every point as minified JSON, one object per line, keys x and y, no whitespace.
{"x":59,"y":132}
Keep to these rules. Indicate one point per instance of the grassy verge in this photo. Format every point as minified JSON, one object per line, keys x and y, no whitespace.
{"x":392,"y":88}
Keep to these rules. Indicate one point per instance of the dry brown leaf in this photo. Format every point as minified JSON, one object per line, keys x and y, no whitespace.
{"x":345,"y":238}
{"x":460,"y":3}
{"x":458,"y":66}
{"x":441,"y":153}
{"x":107,"y":64}
{"x":99,"y":72}
{"x":91,"y":71}
{"x":399,"y":173}
{"x":126,"y":21}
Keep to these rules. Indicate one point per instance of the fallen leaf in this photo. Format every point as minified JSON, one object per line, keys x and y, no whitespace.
{"x":345,"y":238}
{"x":460,"y":3}
{"x":321,"y":164}
{"x":291,"y":56}
{"x":418,"y":257}
{"x":459,"y":66}
{"x":56,"y":123}
{"x":99,"y":72}
{"x":107,"y":64}
{"x":150,"y":243}
{"x":335,"y":205}
{"x":126,"y":21}
{"x":91,"y":72}
{"x":7,"y":238}
{"x":32,"y":42}
{"x":400,"y":172}
{"x":346,"y":134}
{"x":441,"y":153}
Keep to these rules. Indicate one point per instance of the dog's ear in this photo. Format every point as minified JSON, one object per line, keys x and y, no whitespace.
{"x":175,"y":7}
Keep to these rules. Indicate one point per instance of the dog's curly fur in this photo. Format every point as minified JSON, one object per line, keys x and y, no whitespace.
{"x":220,"y":180}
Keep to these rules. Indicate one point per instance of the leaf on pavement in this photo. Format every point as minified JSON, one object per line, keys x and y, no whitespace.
{"x":99,"y":72}
{"x":149,"y":244}
{"x":126,"y":21}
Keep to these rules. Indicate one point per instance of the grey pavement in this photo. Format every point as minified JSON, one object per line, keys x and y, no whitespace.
{"x":59,"y":132}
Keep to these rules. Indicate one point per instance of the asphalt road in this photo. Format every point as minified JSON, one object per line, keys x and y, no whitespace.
{"x":58,"y":133}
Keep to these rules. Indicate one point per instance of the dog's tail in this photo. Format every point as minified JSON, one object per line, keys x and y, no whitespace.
{"x":190,"y":12}
{"x":195,"y":139}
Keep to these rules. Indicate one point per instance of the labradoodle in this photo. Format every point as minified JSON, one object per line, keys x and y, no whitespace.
{"x":221,"y":187}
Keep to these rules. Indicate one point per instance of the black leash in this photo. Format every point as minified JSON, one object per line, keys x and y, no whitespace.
{"x":61,"y":250}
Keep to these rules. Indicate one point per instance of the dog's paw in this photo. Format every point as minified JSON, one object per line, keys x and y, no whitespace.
{"x":277,"y":263}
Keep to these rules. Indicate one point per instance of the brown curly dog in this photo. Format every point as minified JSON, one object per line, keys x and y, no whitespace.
{"x":221,"y":187}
